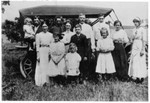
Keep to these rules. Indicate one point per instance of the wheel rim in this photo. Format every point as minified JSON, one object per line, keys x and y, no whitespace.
{"x":27,"y":65}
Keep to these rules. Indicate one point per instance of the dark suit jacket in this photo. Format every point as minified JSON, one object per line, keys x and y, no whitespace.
{"x":39,"y":29}
{"x":81,"y":43}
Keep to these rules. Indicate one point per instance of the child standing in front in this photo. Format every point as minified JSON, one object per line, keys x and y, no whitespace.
{"x":105,"y":63}
{"x":72,"y":63}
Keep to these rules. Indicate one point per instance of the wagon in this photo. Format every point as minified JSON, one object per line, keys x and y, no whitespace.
{"x":28,"y":63}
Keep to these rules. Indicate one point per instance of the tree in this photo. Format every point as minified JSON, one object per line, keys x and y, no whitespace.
{"x":4,"y":3}
{"x":12,"y":30}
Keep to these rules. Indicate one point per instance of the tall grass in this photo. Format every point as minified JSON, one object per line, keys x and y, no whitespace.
{"x":15,"y":87}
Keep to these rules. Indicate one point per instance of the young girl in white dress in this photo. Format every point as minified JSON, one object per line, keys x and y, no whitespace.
{"x":137,"y":65}
{"x":57,"y":67}
{"x":72,"y":63}
{"x":29,"y":34}
{"x":105,"y":63}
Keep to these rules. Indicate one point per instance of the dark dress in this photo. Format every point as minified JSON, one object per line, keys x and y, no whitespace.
{"x":81,"y":43}
{"x":120,"y":60}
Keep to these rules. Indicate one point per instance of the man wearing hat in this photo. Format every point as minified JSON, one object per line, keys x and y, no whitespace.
{"x":97,"y":27}
{"x":43,"y":41}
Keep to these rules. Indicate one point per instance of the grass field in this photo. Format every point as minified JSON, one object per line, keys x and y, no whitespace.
{"x":15,"y":87}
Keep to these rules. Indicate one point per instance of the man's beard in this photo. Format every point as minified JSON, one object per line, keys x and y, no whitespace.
{"x":36,"y":24}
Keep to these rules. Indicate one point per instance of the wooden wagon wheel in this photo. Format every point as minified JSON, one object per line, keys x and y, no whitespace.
{"x":27,"y":65}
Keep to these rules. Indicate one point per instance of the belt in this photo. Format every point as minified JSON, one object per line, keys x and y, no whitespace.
{"x":116,"y":41}
{"x":44,"y":45}
{"x":137,"y":39}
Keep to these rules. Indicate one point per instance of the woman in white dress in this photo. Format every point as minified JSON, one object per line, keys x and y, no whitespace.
{"x":105,"y":64}
{"x":57,"y":67}
{"x":137,"y":66}
{"x":43,"y":41}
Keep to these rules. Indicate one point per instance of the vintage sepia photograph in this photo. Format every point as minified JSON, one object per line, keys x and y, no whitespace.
{"x":74,"y":50}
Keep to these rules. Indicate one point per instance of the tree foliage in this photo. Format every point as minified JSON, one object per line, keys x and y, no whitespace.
{"x":12,"y":29}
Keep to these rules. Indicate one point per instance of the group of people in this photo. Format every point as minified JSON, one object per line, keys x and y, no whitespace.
{"x":66,"y":55}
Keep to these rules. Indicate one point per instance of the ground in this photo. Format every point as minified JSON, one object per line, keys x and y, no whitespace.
{"x":15,"y":87}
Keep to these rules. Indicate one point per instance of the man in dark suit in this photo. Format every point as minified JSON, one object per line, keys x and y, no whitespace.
{"x":80,"y":40}
{"x":37,"y":28}
{"x":58,"y":26}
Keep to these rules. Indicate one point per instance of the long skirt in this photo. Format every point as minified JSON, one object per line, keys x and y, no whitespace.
{"x":105,"y":63}
{"x":59,"y":69}
{"x":41,"y":71}
{"x":137,"y":65}
{"x":120,"y":60}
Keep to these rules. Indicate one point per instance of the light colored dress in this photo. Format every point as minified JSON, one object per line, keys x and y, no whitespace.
{"x":28,"y":30}
{"x":57,"y":52}
{"x":137,"y":66}
{"x":105,"y":63}
{"x":72,"y":63}
{"x":43,"y":41}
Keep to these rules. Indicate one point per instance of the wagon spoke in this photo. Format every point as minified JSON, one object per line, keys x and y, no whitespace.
{"x":27,"y":68}
{"x":28,"y":62}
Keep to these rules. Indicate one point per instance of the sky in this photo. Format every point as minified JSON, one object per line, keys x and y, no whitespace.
{"x":125,"y":11}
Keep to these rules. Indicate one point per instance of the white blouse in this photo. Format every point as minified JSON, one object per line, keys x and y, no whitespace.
{"x":67,"y":37}
{"x":140,"y":34}
{"x":73,"y":60}
{"x":72,"y":63}
{"x":120,"y":35}
{"x":43,"y":39}
{"x":105,"y":44}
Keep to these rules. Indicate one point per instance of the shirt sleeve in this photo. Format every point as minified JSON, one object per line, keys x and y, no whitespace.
{"x":109,"y":34}
{"x":92,"y":37}
{"x":63,"y":48}
{"x":79,"y":58}
{"x":24,"y":28}
{"x":66,"y":57}
{"x":96,"y":32}
{"x":144,"y":35}
{"x":125,"y":37}
{"x":98,"y":45}
{"x":111,"y":45}
{"x":52,"y":39}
